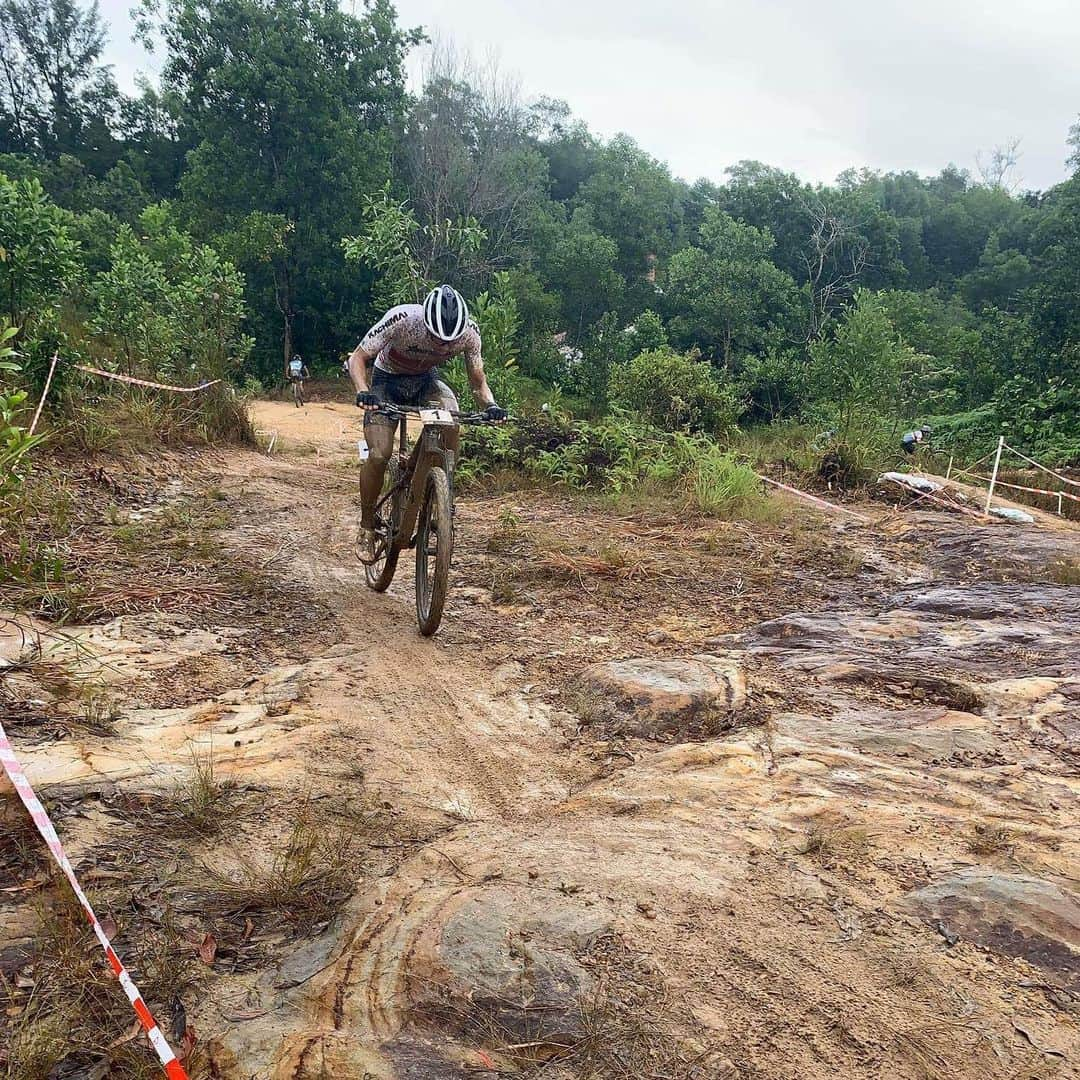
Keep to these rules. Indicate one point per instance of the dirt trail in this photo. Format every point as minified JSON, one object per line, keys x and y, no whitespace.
{"x":867,"y":866}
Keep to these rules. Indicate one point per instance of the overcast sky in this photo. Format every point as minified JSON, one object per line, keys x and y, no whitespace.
{"x":810,"y":87}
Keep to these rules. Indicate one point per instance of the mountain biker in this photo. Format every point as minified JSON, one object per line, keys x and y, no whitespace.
{"x":407,"y":345}
{"x":912,"y":440}
{"x":298,"y":372}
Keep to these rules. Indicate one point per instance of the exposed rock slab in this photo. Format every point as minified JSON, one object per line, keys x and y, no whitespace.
{"x":507,"y":957}
{"x":1014,"y":914}
{"x":691,"y":696}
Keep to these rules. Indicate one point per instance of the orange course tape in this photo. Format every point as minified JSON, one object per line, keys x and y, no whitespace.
{"x":173,"y":1069}
{"x":132,"y":381}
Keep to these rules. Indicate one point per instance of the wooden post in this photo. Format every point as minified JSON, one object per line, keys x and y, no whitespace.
{"x":993,"y":475}
{"x":44,"y":393}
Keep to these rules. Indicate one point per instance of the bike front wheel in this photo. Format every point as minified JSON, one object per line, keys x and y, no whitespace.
{"x":434,"y":550}
{"x":380,"y":572}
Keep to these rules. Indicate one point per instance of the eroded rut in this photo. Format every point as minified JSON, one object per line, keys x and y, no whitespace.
{"x":866,"y":868}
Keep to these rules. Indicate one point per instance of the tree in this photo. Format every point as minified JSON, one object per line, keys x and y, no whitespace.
{"x":579,"y":262}
{"x":55,"y":95}
{"x":169,"y":304}
{"x":405,"y":254}
{"x":997,"y":168}
{"x":860,"y":369}
{"x":290,"y":107}
{"x":632,"y":198}
{"x":38,"y":256}
{"x":467,"y":156}
{"x":727,"y":297}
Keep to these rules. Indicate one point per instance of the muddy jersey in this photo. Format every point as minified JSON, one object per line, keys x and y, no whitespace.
{"x":402,"y":345}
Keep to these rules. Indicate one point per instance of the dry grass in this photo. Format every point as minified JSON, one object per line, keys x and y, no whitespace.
{"x":67,"y":1016}
{"x":834,"y":846}
{"x":304,"y":883}
{"x":197,"y":806}
{"x":626,"y":1026}
{"x":70,"y":560}
{"x":1065,"y":572}
{"x":592,"y":708}
{"x":22,"y":850}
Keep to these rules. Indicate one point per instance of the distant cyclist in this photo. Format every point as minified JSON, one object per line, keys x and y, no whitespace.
{"x":407,"y":345}
{"x":912,"y":440}
{"x":298,"y":372}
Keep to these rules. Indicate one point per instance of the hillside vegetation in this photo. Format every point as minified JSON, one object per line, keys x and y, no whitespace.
{"x":278,"y":186}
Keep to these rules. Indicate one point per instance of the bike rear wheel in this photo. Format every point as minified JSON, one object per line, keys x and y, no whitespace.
{"x":380,"y":572}
{"x":434,"y":550}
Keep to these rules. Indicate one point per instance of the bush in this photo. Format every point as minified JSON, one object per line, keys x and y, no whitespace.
{"x":674,"y":392}
{"x":138,"y":420}
{"x":721,"y":485}
{"x":15,"y":441}
{"x":617,"y":456}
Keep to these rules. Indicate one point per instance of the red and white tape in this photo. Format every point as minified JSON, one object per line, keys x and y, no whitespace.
{"x":1020,"y":487}
{"x":132,"y":381}
{"x":173,"y":1069}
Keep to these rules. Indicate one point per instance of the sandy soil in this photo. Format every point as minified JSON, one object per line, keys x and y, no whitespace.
{"x":869,"y":868}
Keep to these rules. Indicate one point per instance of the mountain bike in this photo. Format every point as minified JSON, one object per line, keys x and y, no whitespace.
{"x":297,"y":390}
{"x":416,"y":509}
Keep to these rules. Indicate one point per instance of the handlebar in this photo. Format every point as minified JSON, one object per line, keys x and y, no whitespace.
{"x":402,"y":412}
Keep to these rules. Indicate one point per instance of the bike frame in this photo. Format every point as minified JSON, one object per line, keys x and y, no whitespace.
{"x":427,"y":451}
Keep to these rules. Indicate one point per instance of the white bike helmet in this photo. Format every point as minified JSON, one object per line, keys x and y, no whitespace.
{"x":445,"y":313}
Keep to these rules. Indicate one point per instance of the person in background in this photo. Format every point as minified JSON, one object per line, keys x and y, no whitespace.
{"x":912,"y":440}
{"x":298,"y":372}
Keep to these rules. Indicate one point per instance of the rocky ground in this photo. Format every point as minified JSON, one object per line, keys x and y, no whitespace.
{"x":666,"y":797}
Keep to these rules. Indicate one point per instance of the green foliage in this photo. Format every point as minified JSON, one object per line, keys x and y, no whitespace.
{"x":391,"y":243}
{"x":646,"y":334}
{"x":580,"y":263}
{"x":859,"y":371}
{"x":15,"y":441}
{"x":588,"y":374}
{"x":775,"y":385}
{"x":168,"y":304}
{"x":727,"y":297}
{"x":289,"y":108}
{"x":55,"y":96}
{"x":673,"y":392}
{"x":618,"y":456}
{"x":38,"y":257}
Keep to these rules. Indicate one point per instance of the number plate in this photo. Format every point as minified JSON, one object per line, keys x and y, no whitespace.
{"x":436,"y":416}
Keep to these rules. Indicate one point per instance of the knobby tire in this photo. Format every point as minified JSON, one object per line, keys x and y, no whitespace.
{"x":433,"y":571}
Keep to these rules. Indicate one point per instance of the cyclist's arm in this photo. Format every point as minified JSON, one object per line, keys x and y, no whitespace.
{"x":374,"y":341}
{"x":358,"y":362}
{"x":474,"y":368}
{"x":304,"y":373}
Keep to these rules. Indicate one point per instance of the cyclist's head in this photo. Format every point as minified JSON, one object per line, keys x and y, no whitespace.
{"x":926,"y":429}
{"x":296,"y":356}
{"x":445,"y":313}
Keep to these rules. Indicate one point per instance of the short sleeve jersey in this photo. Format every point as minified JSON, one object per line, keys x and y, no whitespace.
{"x":296,"y":366}
{"x":402,"y":345}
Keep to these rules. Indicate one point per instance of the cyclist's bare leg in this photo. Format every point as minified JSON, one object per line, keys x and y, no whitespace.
{"x":380,"y":439}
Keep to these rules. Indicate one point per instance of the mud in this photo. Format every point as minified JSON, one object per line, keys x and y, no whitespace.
{"x":868,"y":869}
